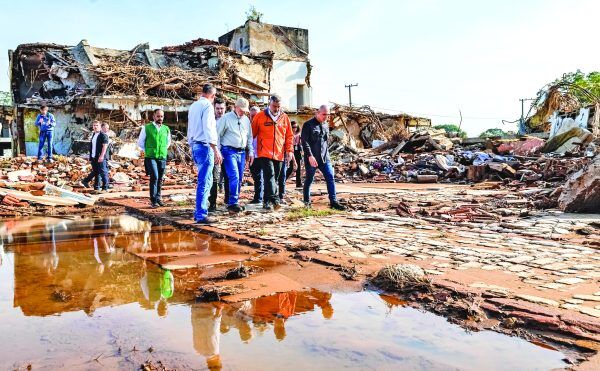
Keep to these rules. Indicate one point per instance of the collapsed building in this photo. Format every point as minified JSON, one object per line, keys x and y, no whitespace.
{"x":82,"y":83}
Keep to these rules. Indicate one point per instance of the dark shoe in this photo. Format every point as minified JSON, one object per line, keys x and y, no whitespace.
{"x":267,"y":206}
{"x":282,"y":201}
{"x":84,"y":184}
{"x":337,"y":206}
{"x":160,"y":203}
{"x":212,"y":208}
{"x":204,"y":221}
{"x":235,"y":208}
{"x":110,"y":186}
{"x":307,"y":204}
{"x":255,"y":202}
{"x":154,"y":205}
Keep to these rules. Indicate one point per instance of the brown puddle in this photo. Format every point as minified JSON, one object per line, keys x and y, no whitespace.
{"x":73,"y":294}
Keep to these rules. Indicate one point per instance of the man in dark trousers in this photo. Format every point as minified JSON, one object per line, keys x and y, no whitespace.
{"x":155,"y":139}
{"x":219,"y":174}
{"x":316,"y":155}
{"x":46,"y":122}
{"x":98,"y":148}
{"x":255,"y":169}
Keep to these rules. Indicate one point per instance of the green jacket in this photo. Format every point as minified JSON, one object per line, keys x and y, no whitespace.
{"x":157,"y":141}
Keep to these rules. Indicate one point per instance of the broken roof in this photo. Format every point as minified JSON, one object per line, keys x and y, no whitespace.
{"x":54,"y":74}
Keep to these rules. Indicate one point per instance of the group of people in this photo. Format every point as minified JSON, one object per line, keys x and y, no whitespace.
{"x":222,"y":145}
{"x":265,"y":140}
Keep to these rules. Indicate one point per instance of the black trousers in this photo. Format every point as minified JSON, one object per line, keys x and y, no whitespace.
{"x":257,"y":178}
{"x":99,"y":174}
{"x":271,"y":170}
{"x":214,"y":190}
{"x":155,"y":169}
{"x":296,"y":168}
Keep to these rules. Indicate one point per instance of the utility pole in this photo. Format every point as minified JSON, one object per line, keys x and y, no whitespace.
{"x":350,"y":86}
{"x":522,"y":119}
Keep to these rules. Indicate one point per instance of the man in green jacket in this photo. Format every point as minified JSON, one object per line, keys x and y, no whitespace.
{"x":155,"y":139}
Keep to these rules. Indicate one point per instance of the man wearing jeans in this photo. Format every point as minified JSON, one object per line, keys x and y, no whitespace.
{"x":203,"y":140}
{"x":316,"y":154}
{"x":98,"y":160}
{"x":218,"y":171}
{"x":235,"y":138}
{"x":46,"y":122}
{"x":155,"y":139}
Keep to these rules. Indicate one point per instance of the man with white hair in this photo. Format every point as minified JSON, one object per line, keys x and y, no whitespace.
{"x":203,"y":140}
{"x":235,"y":138}
{"x":316,"y":155}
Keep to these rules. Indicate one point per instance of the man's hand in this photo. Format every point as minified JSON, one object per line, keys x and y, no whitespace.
{"x":218,"y":156}
{"x":289,"y":157}
{"x":250,"y":160}
{"x":100,"y":159}
{"x":312,"y":161}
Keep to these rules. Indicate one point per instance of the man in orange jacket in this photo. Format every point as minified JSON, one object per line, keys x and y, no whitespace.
{"x":274,"y":141}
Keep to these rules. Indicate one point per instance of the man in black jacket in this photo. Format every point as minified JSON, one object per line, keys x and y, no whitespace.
{"x":98,"y":160}
{"x":316,"y":155}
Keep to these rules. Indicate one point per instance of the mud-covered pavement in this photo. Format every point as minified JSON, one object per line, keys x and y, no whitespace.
{"x":138,"y":284}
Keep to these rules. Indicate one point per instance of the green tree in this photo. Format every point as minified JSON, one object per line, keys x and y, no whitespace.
{"x":495,"y":132}
{"x":451,"y":128}
{"x":253,"y":15}
{"x":586,"y":87}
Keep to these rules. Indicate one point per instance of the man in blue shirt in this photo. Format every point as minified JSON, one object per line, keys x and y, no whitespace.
{"x":203,"y":140}
{"x":46,"y":122}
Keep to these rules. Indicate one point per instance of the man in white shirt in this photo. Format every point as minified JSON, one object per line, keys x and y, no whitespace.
{"x":203,"y":140}
{"x":235,"y":138}
{"x":98,"y":148}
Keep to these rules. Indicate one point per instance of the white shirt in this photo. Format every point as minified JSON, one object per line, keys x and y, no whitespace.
{"x":94,"y":137}
{"x":235,"y":131}
{"x":142,"y":138}
{"x":202,"y":126}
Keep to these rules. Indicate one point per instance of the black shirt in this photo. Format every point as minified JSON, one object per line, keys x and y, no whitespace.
{"x":100,"y":140}
{"x":314,"y":140}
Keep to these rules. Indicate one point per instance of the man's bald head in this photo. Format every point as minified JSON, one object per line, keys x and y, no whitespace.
{"x":322,"y":113}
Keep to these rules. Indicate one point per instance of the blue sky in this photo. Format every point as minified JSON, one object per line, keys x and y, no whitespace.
{"x":427,"y":57}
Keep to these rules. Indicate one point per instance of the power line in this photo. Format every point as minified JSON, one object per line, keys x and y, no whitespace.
{"x":350,"y":86}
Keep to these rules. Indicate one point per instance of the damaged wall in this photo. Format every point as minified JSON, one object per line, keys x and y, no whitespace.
{"x":288,"y":79}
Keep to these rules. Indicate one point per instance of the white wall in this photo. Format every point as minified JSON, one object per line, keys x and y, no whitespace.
{"x":285,"y":77}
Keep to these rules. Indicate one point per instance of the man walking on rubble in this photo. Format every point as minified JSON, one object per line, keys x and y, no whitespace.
{"x":155,"y":139}
{"x":218,"y":171}
{"x":46,"y":122}
{"x":255,"y":169}
{"x":316,"y":155}
{"x":203,"y":140}
{"x":273,"y":132}
{"x":235,"y":138}
{"x":98,"y":160}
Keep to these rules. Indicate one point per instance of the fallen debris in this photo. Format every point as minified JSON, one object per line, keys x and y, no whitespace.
{"x":402,"y":278}
{"x":581,"y":192}
{"x":210,"y":293}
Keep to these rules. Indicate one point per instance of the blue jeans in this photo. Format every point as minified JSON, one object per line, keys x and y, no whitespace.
{"x":327,"y":171}
{"x":99,"y":174}
{"x":234,"y":161}
{"x":45,"y":136}
{"x":204,"y":158}
{"x":155,"y":169}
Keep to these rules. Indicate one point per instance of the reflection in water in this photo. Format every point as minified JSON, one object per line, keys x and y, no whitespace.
{"x":52,"y":266}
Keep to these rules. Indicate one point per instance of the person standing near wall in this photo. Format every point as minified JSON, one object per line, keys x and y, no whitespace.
{"x":235,"y":138}
{"x":273,"y":132}
{"x":203,"y":140}
{"x":46,"y":122}
{"x":98,"y":148}
{"x":297,"y":155}
{"x":316,"y":153}
{"x":155,"y":139}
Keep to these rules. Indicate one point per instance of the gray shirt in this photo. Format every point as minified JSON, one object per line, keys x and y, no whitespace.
{"x":234,"y":131}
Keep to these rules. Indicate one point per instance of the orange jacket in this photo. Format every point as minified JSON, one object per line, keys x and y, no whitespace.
{"x":273,"y":139}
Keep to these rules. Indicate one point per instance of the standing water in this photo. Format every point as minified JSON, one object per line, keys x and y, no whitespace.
{"x":73,"y":295}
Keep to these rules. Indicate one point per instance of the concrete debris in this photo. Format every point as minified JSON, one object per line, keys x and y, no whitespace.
{"x":581,"y":192}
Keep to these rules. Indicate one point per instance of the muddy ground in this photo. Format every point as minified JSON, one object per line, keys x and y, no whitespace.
{"x":518,"y":271}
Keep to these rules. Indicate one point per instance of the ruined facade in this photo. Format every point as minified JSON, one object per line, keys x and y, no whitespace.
{"x":290,"y":75}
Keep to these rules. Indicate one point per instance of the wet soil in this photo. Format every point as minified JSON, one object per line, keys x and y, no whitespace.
{"x":93,"y":294}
